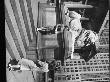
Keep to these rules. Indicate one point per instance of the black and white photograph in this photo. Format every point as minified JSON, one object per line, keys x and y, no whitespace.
{"x":57,"y":40}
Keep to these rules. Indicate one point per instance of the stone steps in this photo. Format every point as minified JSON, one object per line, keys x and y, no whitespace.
{"x":31,"y":53}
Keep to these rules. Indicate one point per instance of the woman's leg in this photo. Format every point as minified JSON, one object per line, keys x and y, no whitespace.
{"x":68,"y":42}
{"x":74,"y":35}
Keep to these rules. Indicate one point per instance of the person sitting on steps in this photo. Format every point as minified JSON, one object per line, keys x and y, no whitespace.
{"x":26,"y":64}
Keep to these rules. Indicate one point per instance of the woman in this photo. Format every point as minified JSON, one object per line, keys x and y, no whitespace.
{"x":75,"y":29}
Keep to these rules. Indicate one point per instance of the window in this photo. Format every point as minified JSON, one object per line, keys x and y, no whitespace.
{"x":67,"y":69}
{"x":96,"y":66}
{"x":59,"y":77}
{"x":72,"y":69}
{"x":104,"y":66}
{"x":73,"y":78}
{"x":100,"y":66}
{"x":76,"y":70}
{"x":63,"y":77}
{"x":67,"y":63}
{"x":76,"y":74}
{"x":77,"y":77}
{"x":68,"y":77}
{"x":79,"y":62}
{"x":71,"y":63}
{"x":87,"y":63}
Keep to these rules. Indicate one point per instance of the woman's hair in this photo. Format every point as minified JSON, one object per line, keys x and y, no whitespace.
{"x":13,"y":62}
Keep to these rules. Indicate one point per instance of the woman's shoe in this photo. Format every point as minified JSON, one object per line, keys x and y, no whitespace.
{"x":68,"y":58}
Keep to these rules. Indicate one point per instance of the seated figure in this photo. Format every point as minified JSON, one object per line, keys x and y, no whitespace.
{"x":26,"y":64}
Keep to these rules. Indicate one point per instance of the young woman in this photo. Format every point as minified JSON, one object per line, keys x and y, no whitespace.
{"x":75,"y":29}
